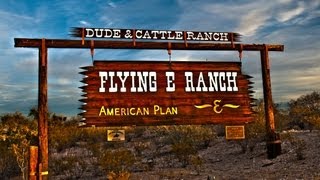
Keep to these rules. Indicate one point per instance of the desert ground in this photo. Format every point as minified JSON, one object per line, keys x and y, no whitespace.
{"x":219,"y":159}
{"x":224,"y":160}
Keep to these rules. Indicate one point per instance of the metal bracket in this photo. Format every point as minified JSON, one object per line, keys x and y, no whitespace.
{"x":169,"y":51}
{"x":92,"y":49}
{"x":185,"y":38}
{"x":82,"y":36}
{"x":232,"y":39}
{"x":266,"y":53}
{"x":134,"y":37}
{"x":240,"y":51}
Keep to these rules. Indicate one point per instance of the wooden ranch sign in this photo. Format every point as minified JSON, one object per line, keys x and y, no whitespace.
{"x":162,"y":93}
{"x":143,"y":34}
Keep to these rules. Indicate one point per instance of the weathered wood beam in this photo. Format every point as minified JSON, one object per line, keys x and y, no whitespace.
{"x":33,"y":162}
{"x":273,"y":139}
{"x":43,"y":165}
{"x":105,"y":44}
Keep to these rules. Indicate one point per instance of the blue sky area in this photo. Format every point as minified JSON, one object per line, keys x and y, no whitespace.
{"x":296,"y":24}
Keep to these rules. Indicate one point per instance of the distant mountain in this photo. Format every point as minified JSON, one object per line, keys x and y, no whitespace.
{"x":283,"y":105}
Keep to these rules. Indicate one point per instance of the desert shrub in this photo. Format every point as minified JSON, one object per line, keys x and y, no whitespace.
{"x":93,"y":135}
{"x":281,"y":118}
{"x":71,"y":167}
{"x":61,"y":138}
{"x":298,"y":145}
{"x":18,"y":132}
{"x":120,"y":176}
{"x":185,"y":141}
{"x":139,"y":147}
{"x":183,"y":151}
{"x":198,"y":136}
{"x":197,"y":163}
{"x":8,"y":165}
{"x":66,"y":134}
{"x":306,"y":109}
{"x":62,"y":135}
{"x":117,"y":163}
{"x":220,"y":130}
{"x":135,"y":132}
{"x":95,"y":149}
{"x":318,"y":133}
{"x":255,"y":131}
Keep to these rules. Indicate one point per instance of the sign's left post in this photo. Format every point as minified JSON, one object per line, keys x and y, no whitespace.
{"x":43,"y":164}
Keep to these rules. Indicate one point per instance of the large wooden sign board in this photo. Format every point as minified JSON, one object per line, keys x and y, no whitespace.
{"x":163,"y":93}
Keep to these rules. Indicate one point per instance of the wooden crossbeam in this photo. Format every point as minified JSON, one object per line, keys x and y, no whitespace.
{"x":105,"y":44}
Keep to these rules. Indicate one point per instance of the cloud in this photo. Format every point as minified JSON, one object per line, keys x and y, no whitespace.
{"x":251,"y":22}
{"x":28,"y":64}
{"x":135,"y":14}
{"x":11,"y":25}
{"x":285,"y":16}
{"x":64,"y":81}
{"x":18,"y":92}
{"x":250,"y":18}
{"x":10,"y":16}
{"x":84,"y":23}
{"x":112,"y":4}
{"x":107,"y":20}
{"x":247,"y":18}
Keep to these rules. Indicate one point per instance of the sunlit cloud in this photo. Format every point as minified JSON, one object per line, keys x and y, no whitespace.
{"x":85,"y":23}
{"x":112,"y":4}
{"x":288,"y":15}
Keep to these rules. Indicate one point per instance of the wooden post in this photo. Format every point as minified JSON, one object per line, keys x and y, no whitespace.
{"x":33,"y":161}
{"x":43,"y":111}
{"x":273,"y":139}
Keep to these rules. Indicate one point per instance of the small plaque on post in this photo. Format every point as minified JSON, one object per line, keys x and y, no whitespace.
{"x":116,"y":135}
{"x":235,"y":132}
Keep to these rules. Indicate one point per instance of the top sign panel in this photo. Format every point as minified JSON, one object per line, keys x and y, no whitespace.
{"x":143,"y":34}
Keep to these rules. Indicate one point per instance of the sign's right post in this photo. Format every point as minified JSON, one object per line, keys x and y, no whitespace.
{"x":273,"y":139}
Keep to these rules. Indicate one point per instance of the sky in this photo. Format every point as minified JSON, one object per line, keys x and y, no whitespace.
{"x":293,"y":23}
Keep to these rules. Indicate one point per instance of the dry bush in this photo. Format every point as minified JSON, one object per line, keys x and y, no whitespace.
{"x":18,"y":132}
{"x":198,"y":136}
{"x":93,"y":135}
{"x":255,"y":131}
{"x":183,"y":151}
{"x":298,"y":145}
{"x":120,"y":176}
{"x":305,"y":111}
{"x":61,"y":138}
{"x":197,"y":163}
{"x":71,"y":167}
{"x":68,"y":134}
{"x":117,"y":163}
{"x":185,"y":141}
{"x":8,"y":165}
